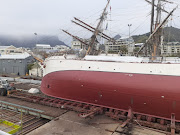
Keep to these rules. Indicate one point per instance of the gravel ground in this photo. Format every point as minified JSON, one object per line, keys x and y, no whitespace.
{"x":26,"y":86}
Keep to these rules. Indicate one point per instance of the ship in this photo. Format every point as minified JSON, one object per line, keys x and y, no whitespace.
{"x":149,"y":87}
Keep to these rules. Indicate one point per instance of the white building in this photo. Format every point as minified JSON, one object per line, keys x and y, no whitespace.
{"x":61,"y":48}
{"x":43,"y":47}
{"x":10,"y":50}
{"x":48,"y":48}
{"x":36,"y":70}
{"x":123,"y":41}
{"x":77,"y":45}
{"x":170,"y":48}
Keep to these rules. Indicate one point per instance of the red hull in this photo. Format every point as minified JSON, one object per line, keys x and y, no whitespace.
{"x":148,"y":94}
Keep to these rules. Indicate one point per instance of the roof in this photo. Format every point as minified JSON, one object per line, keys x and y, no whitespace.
{"x":139,"y":44}
{"x":43,"y":46}
{"x":5,"y":47}
{"x":15,"y":56}
{"x":62,"y":46}
{"x":125,"y":39}
{"x":172,"y":44}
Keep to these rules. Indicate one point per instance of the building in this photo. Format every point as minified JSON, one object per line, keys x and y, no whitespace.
{"x":127,"y":42}
{"x":10,"y":50}
{"x":61,"y":48}
{"x":170,"y":48}
{"x":77,"y":45}
{"x":49,"y":49}
{"x":138,"y":45}
{"x":15,"y":64}
{"x":43,"y":47}
{"x":36,"y":70}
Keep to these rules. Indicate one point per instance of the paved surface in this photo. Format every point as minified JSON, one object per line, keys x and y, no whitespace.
{"x":70,"y":124}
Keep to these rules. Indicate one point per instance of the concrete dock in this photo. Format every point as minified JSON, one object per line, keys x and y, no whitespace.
{"x":70,"y":124}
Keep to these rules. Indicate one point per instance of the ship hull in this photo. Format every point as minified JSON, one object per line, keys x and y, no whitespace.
{"x":155,"y":95}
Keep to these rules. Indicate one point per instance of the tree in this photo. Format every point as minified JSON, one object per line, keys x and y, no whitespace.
{"x":136,"y":50}
{"x":29,"y":66}
{"x":123,"y":49}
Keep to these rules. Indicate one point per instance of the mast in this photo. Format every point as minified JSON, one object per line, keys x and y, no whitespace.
{"x":75,"y":37}
{"x":156,"y":6}
{"x":92,"y":29}
{"x":152,"y":17}
{"x":148,"y":48}
{"x":156,"y":29}
{"x":96,"y":32}
{"x":157,"y":36}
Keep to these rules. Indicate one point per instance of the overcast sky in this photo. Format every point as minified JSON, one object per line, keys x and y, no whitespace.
{"x":25,"y":17}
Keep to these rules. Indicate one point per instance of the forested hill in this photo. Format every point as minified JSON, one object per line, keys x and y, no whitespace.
{"x":171,"y":34}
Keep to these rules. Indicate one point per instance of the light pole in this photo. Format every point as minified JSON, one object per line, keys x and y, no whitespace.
{"x":36,"y":60}
{"x":129,"y":25}
{"x":36,"y":37}
{"x":129,"y":45}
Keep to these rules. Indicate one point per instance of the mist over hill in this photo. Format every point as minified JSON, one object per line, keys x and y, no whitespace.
{"x":29,"y":41}
{"x":171,"y":34}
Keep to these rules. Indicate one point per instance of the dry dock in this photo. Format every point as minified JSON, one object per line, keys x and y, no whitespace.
{"x":40,"y":119}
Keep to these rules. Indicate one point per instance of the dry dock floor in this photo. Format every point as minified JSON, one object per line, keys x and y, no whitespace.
{"x":70,"y":124}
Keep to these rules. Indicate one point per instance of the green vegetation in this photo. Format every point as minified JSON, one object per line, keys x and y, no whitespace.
{"x":136,"y":49}
{"x":123,"y":49}
{"x":29,"y":66}
{"x":170,"y":34}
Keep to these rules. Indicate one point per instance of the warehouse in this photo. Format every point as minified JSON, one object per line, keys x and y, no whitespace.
{"x":15,"y":64}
